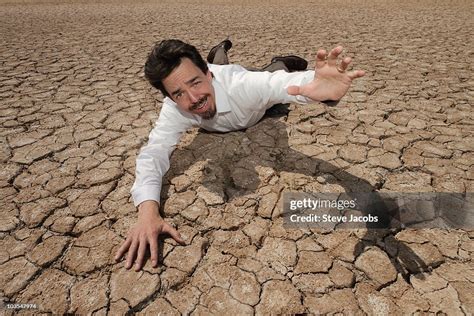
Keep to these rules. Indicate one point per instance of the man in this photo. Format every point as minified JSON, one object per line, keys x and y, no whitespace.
{"x":216,"y":98}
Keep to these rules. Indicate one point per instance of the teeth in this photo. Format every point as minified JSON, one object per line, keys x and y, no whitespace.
{"x":202,"y":105}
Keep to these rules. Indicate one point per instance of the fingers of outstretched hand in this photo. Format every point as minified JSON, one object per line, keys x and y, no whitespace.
{"x":333,"y":54}
{"x":132,"y":251}
{"x":154,"y":251}
{"x":167,"y":228}
{"x":123,"y":249}
{"x":141,"y":254}
{"x":356,"y":74}
{"x":321,"y":58}
{"x":345,"y":63}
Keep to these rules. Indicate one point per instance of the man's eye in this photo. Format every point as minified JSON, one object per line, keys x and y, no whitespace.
{"x":196,"y":83}
{"x":178,"y":95}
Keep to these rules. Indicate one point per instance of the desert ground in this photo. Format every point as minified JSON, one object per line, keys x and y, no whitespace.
{"x":75,"y":109}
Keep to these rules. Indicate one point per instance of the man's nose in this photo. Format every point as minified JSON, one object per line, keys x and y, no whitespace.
{"x":192,"y":96}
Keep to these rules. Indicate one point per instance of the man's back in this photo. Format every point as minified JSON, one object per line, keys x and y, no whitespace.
{"x":243,"y":96}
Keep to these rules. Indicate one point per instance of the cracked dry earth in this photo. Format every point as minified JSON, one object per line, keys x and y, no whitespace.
{"x":75,"y":109}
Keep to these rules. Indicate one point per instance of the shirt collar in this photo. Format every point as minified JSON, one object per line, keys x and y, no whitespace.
{"x":222,"y":100}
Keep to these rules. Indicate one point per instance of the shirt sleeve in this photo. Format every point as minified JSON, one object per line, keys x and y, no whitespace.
{"x":153,"y":160}
{"x":269,"y":88}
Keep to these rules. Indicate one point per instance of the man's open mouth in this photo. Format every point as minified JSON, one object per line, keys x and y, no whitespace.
{"x":201,"y":104}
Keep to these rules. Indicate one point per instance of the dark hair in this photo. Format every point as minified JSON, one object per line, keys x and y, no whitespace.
{"x":165,"y":57}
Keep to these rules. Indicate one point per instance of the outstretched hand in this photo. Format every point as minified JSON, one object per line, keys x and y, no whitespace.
{"x":331,"y":81}
{"x":145,"y":234}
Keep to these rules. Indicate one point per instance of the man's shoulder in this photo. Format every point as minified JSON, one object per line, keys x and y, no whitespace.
{"x":231,"y":77}
{"x":228,"y":67}
{"x":223,"y":71}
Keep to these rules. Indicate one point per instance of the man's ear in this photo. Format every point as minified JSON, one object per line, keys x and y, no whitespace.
{"x":209,"y":75}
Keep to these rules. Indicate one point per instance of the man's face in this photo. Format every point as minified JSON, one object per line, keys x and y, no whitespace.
{"x":192,"y":89}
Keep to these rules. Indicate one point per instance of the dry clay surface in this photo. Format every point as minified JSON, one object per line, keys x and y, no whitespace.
{"x":75,"y":110}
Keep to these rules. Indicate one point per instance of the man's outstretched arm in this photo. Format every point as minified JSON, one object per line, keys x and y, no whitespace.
{"x":152,"y":164}
{"x":331,"y":81}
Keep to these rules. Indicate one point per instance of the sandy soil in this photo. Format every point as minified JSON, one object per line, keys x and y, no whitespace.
{"x":75,"y":109}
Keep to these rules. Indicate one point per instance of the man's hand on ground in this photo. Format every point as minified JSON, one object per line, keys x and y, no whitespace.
{"x":331,"y":81}
{"x":145,"y":233}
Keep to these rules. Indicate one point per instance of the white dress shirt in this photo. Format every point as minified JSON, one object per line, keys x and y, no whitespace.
{"x":242,"y":97}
